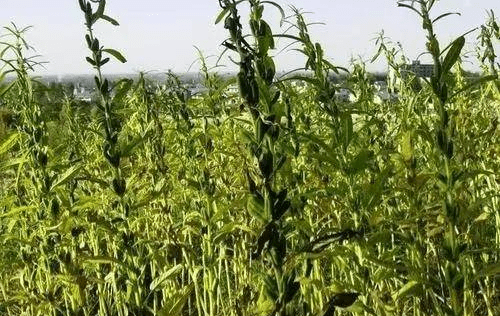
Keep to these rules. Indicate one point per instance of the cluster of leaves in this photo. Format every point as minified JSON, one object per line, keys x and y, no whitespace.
{"x":278,"y":201}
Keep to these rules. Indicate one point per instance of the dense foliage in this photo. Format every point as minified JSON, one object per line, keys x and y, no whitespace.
{"x":277,"y":200}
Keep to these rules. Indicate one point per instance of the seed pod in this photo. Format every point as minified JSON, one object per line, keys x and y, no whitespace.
{"x":276,"y":98}
{"x":265,"y":236}
{"x":104,"y":61}
{"x":449,"y":150}
{"x":88,"y":15}
{"x":280,"y":209}
{"x":267,"y":69}
{"x":443,"y":95}
{"x":343,"y":299}
{"x":254,"y":96}
{"x":281,"y":161}
{"x":37,"y":134}
{"x":89,"y":41}
{"x":441,"y":140}
{"x":119,"y":186}
{"x":266,"y":165}
{"x":111,"y":154}
{"x":54,"y":207}
{"x":95,"y":45}
{"x":244,"y":85}
{"x":262,"y":128}
{"x":229,"y":23}
{"x":128,"y":239}
{"x":291,"y":289}
{"x":251,"y":184}
{"x":76,"y":231}
{"x":42,"y":158}
{"x":105,"y":84}
{"x":413,"y":163}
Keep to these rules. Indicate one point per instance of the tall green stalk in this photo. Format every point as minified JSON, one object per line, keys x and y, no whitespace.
{"x":260,"y":95}
{"x":112,"y":124}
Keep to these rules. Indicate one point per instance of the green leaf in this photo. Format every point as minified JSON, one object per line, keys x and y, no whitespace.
{"x":90,"y":61}
{"x":126,"y":150}
{"x":483,"y":217}
{"x":4,"y":89}
{"x":9,"y":142}
{"x":406,"y":146}
{"x":298,"y":39}
{"x":228,"y":229}
{"x":255,"y":207}
{"x":174,"y":305}
{"x":116,"y":54}
{"x":122,"y":87}
{"x":221,"y":15}
{"x":360,"y":162}
{"x":100,"y":11}
{"x":475,"y":83}
{"x":175,"y":270}
{"x":102,"y":260}
{"x":453,"y":54}
{"x":489,"y":270}
{"x":282,"y":12}
{"x":13,"y":162}
{"x":66,"y":176}
{"x":17,"y":210}
{"x":334,"y":68}
{"x":347,"y":130}
{"x":444,"y":15}
{"x":408,"y":289}
{"x":410,"y":7}
{"x":110,"y":20}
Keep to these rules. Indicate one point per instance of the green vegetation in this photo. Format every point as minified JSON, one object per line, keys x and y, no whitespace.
{"x":279,"y":200}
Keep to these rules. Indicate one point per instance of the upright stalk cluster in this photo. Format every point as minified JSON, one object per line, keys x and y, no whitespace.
{"x":267,"y":203}
{"x":450,"y":178}
{"x":32,"y":122}
{"x":112,"y":124}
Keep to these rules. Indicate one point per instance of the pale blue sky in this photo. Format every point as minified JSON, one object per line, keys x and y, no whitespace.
{"x":161,"y":34}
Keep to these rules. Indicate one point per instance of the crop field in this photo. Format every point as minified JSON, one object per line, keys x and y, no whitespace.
{"x":264,"y":195}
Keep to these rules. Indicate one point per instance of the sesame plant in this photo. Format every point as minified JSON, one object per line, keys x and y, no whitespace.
{"x":260,"y":194}
{"x":451,"y":254}
{"x":267,"y":203}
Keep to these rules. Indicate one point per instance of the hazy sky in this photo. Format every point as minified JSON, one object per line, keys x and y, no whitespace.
{"x":161,"y":34}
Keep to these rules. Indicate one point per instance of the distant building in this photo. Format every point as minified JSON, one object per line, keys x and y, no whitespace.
{"x":418,"y":69}
{"x":343,"y":95}
{"x":82,"y":93}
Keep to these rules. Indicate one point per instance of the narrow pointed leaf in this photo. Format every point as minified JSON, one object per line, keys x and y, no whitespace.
{"x":100,"y":11}
{"x":221,"y":15}
{"x":110,"y":20}
{"x":116,"y":54}
{"x":9,"y":142}
{"x":66,"y":176}
{"x":453,"y":54}
{"x":444,"y":15}
{"x":409,"y":7}
{"x":6,"y":88}
{"x":165,"y":276}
